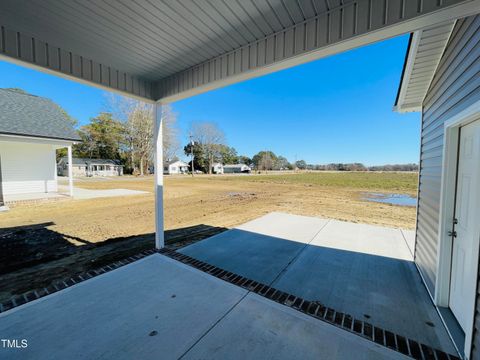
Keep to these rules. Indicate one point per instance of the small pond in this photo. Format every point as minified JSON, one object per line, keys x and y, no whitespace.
{"x":393,"y":199}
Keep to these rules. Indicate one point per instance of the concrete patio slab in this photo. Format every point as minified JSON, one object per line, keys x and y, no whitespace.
{"x":32,"y":197}
{"x":259,"y":249}
{"x":257,"y":328}
{"x":286,"y":226}
{"x":159,"y":308}
{"x":113,"y":316}
{"x":80,"y":193}
{"x":364,"y":239}
{"x":409,"y":236}
{"x":368,"y":272}
{"x":363,"y":270}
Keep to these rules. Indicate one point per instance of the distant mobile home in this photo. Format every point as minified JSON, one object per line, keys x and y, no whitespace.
{"x":236,"y":169}
{"x":217,"y":168}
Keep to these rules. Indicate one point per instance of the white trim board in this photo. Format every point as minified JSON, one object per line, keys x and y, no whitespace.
{"x":401,"y":106}
{"x":424,"y":55}
{"x":37,"y":140}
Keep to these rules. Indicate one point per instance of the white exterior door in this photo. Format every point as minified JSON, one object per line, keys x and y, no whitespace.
{"x":467,"y":212}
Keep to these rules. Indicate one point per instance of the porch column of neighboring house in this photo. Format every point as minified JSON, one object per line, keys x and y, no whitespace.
{"x":158,"y":165}
{"x":70,"y":170}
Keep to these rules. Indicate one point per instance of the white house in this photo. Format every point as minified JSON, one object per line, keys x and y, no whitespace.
{"x":32,"y":128}
{"x":176,"y":167}
{"x":90,"y":167}
{"x":217,"y":168}
{"x":237,"y":168}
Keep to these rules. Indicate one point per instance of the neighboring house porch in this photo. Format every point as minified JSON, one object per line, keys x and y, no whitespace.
{"x":86,"y":167}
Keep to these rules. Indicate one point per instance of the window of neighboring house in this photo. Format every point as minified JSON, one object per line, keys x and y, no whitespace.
{"x":174,"y":168}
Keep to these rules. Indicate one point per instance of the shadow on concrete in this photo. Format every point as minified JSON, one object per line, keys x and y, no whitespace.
{"x":382,"y":290}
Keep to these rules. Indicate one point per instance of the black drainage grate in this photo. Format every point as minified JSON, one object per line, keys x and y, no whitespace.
{"x":359,"y":327}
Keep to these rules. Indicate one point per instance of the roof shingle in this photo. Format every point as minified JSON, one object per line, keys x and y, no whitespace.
{"x":29,"y":115}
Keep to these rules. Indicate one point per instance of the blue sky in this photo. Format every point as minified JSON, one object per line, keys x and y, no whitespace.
{"x":337,"y":109}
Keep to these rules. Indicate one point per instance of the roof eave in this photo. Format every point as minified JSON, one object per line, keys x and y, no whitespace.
{"x":33,"y":136}
{"x":406,"y":72}
{"x":421,"y":57}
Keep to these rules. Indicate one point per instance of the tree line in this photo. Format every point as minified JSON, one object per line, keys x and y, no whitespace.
{"x":301,"y":164}
{"x":125,"y":133}
{"x":208,"y":146}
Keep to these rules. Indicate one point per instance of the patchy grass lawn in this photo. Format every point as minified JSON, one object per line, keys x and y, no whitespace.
{"x":392,"y":182}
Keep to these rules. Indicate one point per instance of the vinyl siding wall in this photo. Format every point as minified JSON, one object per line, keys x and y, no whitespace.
{"x":456,"y":85}
{"x":27,"y":168}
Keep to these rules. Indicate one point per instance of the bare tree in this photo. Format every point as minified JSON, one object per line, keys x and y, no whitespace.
{"x":266,"y":162}
{"x":209,"y":136}
{"x":171,"y":144}
{"x":138,"y":119}
{"x":140,"y":131}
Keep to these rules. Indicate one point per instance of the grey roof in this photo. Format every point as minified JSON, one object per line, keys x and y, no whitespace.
{"x":29,"y":115}
{"x":85,"y":161}
{"x":180,"y":162}
{"x":234,"y":166}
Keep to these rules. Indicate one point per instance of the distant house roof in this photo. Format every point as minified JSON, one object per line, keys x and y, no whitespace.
{"x":29,"y":115}
{"x":87,"y":161}
{"x":178,"y":163}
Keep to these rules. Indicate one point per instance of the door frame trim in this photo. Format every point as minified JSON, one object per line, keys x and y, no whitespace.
{"x":447,"y":209}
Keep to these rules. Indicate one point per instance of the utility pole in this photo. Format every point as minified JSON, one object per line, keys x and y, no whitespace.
{"x":192,"y":143}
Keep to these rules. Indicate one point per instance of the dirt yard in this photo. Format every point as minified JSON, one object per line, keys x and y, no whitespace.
{"x":60,"y":238}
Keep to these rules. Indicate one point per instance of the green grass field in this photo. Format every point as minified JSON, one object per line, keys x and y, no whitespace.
{"x":403,"y":182}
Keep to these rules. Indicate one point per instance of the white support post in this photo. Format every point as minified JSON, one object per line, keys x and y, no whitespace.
{"x":70,"y":170}
{"x":158,"y":165}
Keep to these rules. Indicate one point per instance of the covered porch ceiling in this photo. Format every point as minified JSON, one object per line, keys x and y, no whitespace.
{"x":168,"y":50}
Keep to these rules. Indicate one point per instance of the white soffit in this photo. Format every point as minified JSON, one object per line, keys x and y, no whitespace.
{"x":425,"y":51}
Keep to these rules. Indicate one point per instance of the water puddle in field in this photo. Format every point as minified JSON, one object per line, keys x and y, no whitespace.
{"x":393,"y":199}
